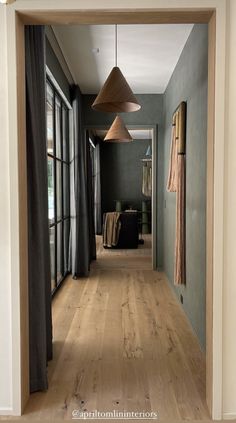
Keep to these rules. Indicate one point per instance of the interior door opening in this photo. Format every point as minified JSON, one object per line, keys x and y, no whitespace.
{"x":133,"y":196}
{"x":154,"y":282}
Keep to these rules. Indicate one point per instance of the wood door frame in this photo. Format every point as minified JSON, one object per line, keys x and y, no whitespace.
{"x":145,"y":16}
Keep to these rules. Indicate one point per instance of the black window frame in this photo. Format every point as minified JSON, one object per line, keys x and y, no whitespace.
{"x":63,"y":164}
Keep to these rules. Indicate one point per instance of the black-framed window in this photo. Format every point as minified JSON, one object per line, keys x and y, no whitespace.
{"x":58,"y":146}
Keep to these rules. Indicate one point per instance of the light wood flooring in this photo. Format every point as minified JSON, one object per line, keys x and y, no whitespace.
{"x":122,"y":342}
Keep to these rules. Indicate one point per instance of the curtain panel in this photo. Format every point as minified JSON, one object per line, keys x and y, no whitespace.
{"x":40,"y":320}
{"x":82,"y":240}
{"x":96,"y":167}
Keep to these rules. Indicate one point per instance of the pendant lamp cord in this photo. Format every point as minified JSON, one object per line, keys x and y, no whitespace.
{"x":116,"y":45}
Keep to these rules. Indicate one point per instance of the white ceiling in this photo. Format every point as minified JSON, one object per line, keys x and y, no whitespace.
{"x":147,"y":54}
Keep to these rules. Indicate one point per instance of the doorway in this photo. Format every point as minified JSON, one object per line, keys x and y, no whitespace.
{"x":205,"y":16}
{"x":146,"y":138}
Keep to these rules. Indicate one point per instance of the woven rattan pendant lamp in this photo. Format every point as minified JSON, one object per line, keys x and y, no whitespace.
{"x":116,"y":94}
{"x":118,"y":132}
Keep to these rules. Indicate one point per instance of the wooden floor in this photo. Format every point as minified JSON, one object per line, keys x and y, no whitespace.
{"x":122,"y":342}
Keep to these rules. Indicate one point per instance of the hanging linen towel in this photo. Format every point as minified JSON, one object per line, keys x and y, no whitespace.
{"x":147,"y":180}
{"x":176,"y":183}
{"x":111,"y":229}
{"x":179,"y":273}
{"x":172,"y":175}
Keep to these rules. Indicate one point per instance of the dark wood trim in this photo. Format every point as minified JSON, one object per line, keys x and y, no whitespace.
{"x":117,"y":16}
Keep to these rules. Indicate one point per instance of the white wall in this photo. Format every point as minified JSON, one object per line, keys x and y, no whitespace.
{"x":229,"y":292}
{"x":9,"y":226}
{"x":5,"y":285}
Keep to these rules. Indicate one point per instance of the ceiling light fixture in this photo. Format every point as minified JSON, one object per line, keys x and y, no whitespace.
{"x":116,"y":94}
{"x":118,"y":132}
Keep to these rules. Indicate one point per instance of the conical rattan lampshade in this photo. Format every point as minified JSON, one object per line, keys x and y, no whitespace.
{"x":116,"y":95}
{"x":118,"y":132}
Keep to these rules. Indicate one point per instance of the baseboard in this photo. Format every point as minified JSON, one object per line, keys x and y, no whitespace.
{"x":6,"y":411}
{"x":229,"y":416}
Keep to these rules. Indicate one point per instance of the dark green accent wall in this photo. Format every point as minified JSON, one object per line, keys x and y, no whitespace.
{"x":149,"y":114}
{"x":121,"y":171}
{"x":189,"y":83}
{"x":56,"y":69}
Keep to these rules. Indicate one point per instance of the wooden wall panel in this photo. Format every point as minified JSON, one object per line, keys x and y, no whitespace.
{"x":95,"y":17}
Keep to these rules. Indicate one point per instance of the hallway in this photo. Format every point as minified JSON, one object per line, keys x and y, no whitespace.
{"x":122,"y":342}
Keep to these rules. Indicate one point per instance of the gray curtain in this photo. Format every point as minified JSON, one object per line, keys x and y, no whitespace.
{"x":40,"y":321}
{"x":82,"y":240}
{"x":90,"y":194}
{"x":96,"y":164}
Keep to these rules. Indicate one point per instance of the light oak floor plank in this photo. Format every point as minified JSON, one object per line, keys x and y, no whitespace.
{"x":122,"y":342}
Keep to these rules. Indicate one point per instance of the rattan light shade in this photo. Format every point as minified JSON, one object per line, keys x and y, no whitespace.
{"x":116,"y":95}
{"x":118,"y":132}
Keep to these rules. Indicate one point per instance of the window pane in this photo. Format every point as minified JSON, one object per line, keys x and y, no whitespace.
{"x":59,"y":252}
{"x":65,"y":135}
{"x":66,"y":191}
{"x":52,"y":256}
{"x":59,"y":190}
{"x":66,"y":243}
{"x":51,"y":194}
{"x":50,"y":146}
{"x":58,"y":145}
{"x":58,"y":128}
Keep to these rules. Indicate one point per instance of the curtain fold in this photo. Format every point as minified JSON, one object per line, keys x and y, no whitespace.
{"x":172,"y":174}
{"x":90,"y":194}
{"x":83,"y":247}
{"x":96,"y":165}
{"x":179,"y":272}
{"x":40,"y":320}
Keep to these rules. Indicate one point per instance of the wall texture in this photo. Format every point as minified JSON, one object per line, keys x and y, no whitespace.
{"x":151,"y":113}
{"x":189,"y":83}
{"x":121,"y":172}
{"x":55,"y":67}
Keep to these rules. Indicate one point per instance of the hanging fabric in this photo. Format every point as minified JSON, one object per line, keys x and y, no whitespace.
{"x":179,"y":273}
{"x":172,"y":175}
{"x":96,"y":165}
{"x":82,"y":239}
{"x":90,"y":196}
{"x":147,"y":179}
{"x":112,"y":227}
{"x":39,"y":276}
{"x":177,"y":183}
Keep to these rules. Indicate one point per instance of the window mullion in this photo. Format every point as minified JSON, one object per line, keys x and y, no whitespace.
{"x":62,"y":193}
{"x":55,"y":180}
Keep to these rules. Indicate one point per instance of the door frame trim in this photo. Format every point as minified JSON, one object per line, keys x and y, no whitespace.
{"x":17,"y":17}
